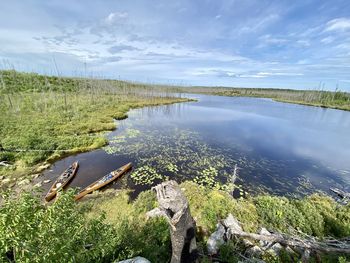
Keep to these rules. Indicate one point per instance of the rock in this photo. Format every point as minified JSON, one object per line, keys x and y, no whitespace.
{"x":247,"y":243}
{"x":216,"y":239}
{"x":232,"y":225}
{"x":135,"y":260}
{"x":43,"y":167}
{"x":264,"y":244}
{"x":290,"y":251}
{"x":6,"y":181}
{"x":46,"y":181}
{"x":34,"y":176}
{"x":254,"y":251}
{"x":2,"y":177}
{"x":275,"y":249}
{"x":23,"y":182}
{"x":38,"y":185}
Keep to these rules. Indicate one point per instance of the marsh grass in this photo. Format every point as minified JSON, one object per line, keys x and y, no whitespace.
{"x":45,"y":118}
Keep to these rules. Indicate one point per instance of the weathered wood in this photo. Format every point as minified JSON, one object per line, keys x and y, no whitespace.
{"x":327,"y":246}
{"x":174,"y":206}
{"x":4,"y":163}
{"x":340,"y":193}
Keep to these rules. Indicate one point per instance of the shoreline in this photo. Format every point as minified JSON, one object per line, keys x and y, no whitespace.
{"x":31,"y":173}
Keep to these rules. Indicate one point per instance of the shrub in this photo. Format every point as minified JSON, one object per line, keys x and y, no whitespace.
{"x":31,"y":232}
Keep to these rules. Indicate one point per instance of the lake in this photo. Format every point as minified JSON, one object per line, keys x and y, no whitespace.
{"x":279,"y":148}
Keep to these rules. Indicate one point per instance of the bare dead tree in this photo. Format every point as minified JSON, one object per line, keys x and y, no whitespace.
{"x":311,"y":244}
{"x":174,"y":206}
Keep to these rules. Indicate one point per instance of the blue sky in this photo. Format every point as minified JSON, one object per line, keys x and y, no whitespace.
{"x":249,"y":43}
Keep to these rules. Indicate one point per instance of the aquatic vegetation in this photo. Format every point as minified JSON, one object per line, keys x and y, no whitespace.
{"x":184,"y":154}
{"x":207,"y":177}
{"x":172,"y":152}
{"x":172,"y":168}
{"x":132,"y":133}
{"x":146,"y":175}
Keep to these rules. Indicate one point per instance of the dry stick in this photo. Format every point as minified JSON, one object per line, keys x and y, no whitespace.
{"x":4,"y":87}
{"x":338,"y":247}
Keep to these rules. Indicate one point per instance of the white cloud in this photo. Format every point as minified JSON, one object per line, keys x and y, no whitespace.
{"x":338,"y":24}
{"x":268,"y":39}
{"x":258,"y":23}
{"x":279,"y":74}
{"x":327,"y":40}
{"x":304,"y":43}
{"x":114,"y":17}
{"x":238,"y":73}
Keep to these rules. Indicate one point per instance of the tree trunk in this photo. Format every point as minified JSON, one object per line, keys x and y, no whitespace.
{"x":173,"y":205}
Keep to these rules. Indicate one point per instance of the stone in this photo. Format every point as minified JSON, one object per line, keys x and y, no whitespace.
{"x":254,"y":251}
{"x":276,"y":249}
{"x":216,"y":239}
{"x":43,"y":167}
{"x":46,"y":181}
{"x":34,"y":176}
{"x":6,"y":181}
{"x":37,"y":185}
{"x":232,"y":225}
{"x":264,"y":244}
{"x":23,"y":182}
{"x":135,"y":260}
{"x":289,"y":250}
{"x":247,"y":243}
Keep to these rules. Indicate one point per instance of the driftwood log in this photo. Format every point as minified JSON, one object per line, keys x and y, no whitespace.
{"x":4,"y":163}
{"x":174,"y":206}
{"x":340,"y":193}
{"x":326,"y":246}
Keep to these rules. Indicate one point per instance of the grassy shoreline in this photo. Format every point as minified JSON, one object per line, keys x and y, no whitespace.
{"x":326,"y":99}
{"x":47,"y":118}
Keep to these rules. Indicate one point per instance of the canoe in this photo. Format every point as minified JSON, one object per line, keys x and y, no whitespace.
{"x":104,"y":181}
{"x":62,"y":181}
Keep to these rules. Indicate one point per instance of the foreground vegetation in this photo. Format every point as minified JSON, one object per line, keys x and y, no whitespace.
{"x":44,"y":118}
{"x":110,"y":227}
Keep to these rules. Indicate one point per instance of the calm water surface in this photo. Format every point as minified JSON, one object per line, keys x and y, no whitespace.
{"x":280,"y":148}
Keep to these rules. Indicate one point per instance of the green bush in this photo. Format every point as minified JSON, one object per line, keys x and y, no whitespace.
{"x":32,"y":232}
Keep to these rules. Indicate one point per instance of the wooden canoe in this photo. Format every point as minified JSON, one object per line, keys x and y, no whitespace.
{"x":62,"y":181}
{"x":103,"y":181}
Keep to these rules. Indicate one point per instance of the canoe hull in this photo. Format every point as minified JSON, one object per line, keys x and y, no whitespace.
{"x":98,"y":184}
{"x":53,"y":190}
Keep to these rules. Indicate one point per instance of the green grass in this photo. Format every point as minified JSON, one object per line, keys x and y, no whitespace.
{"x":108,"y":226}
{"x":45,"y":118}
{"x":315,"y":215}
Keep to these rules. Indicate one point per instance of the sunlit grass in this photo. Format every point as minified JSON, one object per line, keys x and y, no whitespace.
{"x":45,"y":118}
